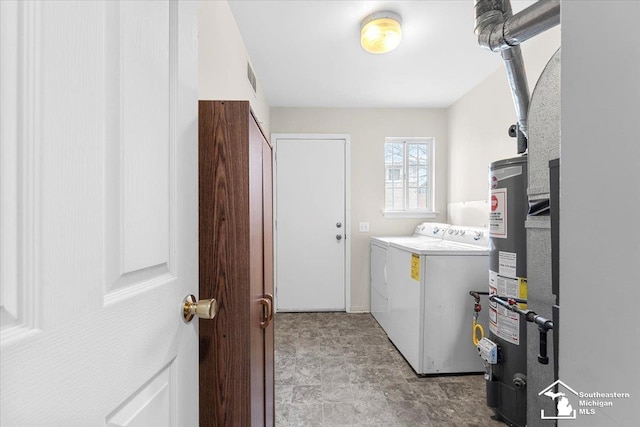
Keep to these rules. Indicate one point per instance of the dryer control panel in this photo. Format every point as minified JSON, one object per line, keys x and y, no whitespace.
{"x":432,"y":229}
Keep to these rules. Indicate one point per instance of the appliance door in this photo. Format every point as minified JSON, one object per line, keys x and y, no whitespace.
{"x":448,"y":313}
{"x":379,"y":291}
{"x":406,"y":275}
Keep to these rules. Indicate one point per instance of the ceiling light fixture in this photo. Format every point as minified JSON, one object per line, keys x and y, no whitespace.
{"x":381,"y":32}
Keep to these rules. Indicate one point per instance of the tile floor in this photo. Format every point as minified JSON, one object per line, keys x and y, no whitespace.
{"x":338,"y":369}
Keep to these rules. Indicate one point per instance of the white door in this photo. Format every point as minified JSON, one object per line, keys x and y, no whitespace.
{"x":98,"y":220}
{"x":311,"y":228}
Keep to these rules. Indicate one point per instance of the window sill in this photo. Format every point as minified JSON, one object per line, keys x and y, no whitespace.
{"x":410,"y":214}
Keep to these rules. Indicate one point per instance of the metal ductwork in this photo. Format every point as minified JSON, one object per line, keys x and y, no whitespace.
{"x":517,"y":77}
{"x":499,"y":30}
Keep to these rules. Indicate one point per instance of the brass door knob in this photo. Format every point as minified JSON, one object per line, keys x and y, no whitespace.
{"x":204,"y":309}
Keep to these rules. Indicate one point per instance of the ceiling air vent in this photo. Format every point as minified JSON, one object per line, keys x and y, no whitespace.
{"x":251,"y":77}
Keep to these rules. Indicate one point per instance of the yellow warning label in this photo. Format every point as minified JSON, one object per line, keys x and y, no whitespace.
{"x":522,"y":291}
{"x":415,"y":267}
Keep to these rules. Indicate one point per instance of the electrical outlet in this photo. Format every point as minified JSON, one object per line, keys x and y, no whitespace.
{"x":364,"y":227}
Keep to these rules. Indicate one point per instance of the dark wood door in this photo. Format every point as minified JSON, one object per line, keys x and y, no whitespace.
{"x":267,"y":172}
{"x":236,"y":267}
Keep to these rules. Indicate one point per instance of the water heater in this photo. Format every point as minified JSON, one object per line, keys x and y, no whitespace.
{"x":507,"y":380}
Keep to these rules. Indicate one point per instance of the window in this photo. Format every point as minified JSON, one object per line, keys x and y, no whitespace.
{"x":409,"y":186}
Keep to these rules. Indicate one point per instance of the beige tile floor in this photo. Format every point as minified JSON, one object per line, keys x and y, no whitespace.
{"x":338,"y":369}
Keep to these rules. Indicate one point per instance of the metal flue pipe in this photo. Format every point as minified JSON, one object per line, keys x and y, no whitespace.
{"x":499,"y":30}
{"x":537,"y":18}
{"x":517,"y":77}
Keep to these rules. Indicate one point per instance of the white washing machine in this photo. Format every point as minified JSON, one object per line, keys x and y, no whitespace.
{"x":424,"y":232}
{"x":430,"y":311}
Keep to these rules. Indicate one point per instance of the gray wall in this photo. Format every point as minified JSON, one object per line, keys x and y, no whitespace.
{"x":600,"y":196}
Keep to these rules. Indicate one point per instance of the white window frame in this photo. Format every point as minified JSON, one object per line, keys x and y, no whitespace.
{"x":430,"y":211}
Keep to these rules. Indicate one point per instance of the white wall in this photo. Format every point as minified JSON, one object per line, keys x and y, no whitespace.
{"x":368,"y":129}
{"x":223,"y":60}
{"x":478,"y":122}
{"x":600,"y":185}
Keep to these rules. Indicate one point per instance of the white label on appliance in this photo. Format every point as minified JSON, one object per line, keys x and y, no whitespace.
{"x":498,"y":213}
{"x":503,"y":323}
{"x":507,"y":287}
{"x":493,"y":306}
{"x":507,"y":264}
{"x":508,"y":326}
{"x":493,"y":286}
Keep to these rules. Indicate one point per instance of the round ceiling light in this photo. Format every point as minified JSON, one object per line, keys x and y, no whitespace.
{"x":381,"y":32}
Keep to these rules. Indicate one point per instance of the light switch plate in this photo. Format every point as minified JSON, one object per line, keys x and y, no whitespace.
{"x":364,"y":227}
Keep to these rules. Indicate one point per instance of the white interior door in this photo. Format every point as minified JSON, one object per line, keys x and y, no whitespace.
{"x":98,"y":220}
{"x":311,"y":224}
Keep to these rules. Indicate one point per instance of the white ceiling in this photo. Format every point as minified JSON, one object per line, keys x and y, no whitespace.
{"x":307,"y":53}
